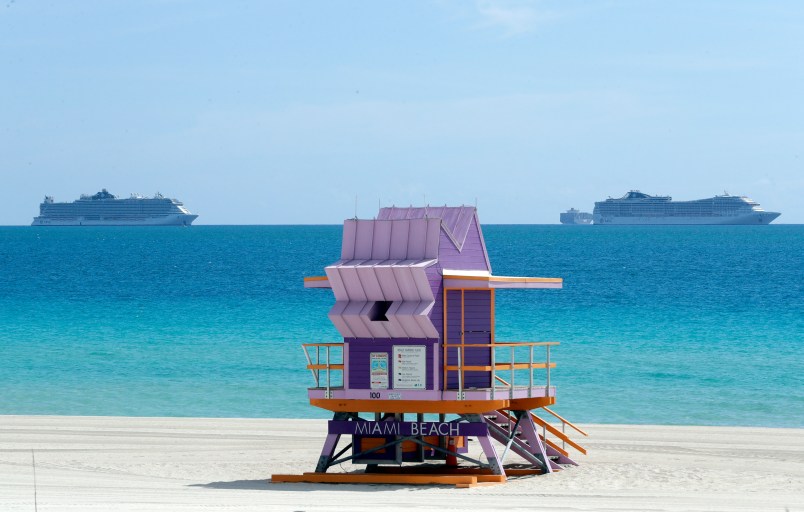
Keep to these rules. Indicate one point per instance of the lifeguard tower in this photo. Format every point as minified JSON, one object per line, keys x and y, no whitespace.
{"x":420,"y":371}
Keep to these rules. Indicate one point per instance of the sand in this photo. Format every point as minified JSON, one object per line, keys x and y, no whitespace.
{"x":182,"y":464}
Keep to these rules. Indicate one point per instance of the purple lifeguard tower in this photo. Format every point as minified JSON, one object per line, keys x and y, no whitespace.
{"x":419,"y":370}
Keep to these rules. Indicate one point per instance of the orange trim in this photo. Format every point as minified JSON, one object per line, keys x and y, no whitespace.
{"x":453,"y":288}
{"x":493,"y":328}
{"x":432,"y":470}
{"x":463,"y":337}
{"x":522,"y":472}
{"x":565,"y":421}
{"x":444,"y":336}
{"x":525,"y":404}
{"x":509,"y":344}
{"x":502,"y":380}
{"x":324,"y":367}
{"x":367,"y":443}
{"x":316,"y":278}
{"x":388,"y":478}
{"x":555,"y":447}
{"x":557,"y":433}
{"x":504,"y":279}
{"x":502,"y":366}
{"x":412,"y":406}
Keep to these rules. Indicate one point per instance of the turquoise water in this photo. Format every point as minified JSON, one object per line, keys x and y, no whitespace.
{"x":670,"y":325}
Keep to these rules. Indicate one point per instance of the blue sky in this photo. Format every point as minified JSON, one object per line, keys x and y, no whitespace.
{"x":290,"y":112}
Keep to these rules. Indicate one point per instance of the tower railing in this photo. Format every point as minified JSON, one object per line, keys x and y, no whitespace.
{"x":506,"y":358}
{"x":331,"y":363}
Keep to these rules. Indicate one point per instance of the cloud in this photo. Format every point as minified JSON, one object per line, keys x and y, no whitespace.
{"x":514,"y":17}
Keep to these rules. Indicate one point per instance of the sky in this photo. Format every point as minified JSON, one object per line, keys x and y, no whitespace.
{"x":310,"y":112}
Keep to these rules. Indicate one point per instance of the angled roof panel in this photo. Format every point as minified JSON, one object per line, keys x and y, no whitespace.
{"x":368,"y":279}
{"x":404,"y":278}
{"x":336,"y":283}
{"x":351,"y":282}
{"x":374,"y":280}
{"x":348,"y":242}
{"x":462,"y":224}
{"x":417,"y":239}
{"x":421,"y":316}
{"x":351,"y":315}
{"x":364,"y":239}
{"x":419,"y":277}
{"x":433,"y":237}
{"x":381,"y":249}
{"x":404,"y":315}
{"x":394,"y":328}
{"x":336,"y":317}
{"x":456,"y":220}
{"x":399,"y":241}
{"x":387,"y":280}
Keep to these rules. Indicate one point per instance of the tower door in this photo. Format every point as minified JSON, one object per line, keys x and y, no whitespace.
{"x":469,"y":323}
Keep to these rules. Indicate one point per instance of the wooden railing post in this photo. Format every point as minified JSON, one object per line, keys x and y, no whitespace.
{"x":493,"y":371}
{"x":530,"y":371}
{"x":513,"y":357}
{"x":547,"y":390}
{"x":328,"y":379}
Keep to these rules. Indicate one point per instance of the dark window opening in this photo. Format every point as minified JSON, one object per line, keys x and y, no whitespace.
{"x":378,"y":311}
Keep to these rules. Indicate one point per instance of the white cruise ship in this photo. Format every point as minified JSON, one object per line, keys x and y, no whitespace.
{"x":638,"y":208}
{"x":105,"y":209}
{"x":573,"y":216}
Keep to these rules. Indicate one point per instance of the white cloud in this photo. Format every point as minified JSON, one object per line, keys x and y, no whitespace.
{"x":514,"y":17}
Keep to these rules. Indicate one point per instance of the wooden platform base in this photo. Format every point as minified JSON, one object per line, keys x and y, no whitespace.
{"x":440,"y":469}
{"x":458,"y":479}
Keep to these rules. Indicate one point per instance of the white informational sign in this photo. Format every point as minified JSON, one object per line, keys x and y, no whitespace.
{"x":379,"y":370}
{"x":410,"y":367}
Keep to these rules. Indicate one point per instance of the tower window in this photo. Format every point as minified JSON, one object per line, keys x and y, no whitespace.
{"x":378,"y":311}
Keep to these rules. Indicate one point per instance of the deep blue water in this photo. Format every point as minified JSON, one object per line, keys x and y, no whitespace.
{"x":670,"y":325}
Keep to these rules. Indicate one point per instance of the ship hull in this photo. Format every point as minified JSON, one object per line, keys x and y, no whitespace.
{"x":753,"y":219}
{"x":162,"y":220}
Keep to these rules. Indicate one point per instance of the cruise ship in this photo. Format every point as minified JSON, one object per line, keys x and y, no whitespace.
{"x":636,"y":207}
{"x":573,"y":216}
{"x":105,"y":209}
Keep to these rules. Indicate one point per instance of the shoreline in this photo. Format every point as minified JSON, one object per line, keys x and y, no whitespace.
{"x":176,"y":463}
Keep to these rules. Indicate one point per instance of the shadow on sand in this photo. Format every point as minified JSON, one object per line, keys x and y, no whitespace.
{"x":267,"y":485}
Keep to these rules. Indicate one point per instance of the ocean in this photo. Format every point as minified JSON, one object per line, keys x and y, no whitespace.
{"x":673,"y":325}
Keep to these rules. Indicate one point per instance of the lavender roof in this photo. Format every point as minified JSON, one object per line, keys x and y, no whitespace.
{"x":455,"y":220}
{"x":387,"y":260}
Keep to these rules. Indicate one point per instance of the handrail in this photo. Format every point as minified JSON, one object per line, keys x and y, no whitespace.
{"x":510,"y":364}
{"x":505,"y":344}
{"x":550,"y":428}
{"x":559,"y":434}
{"x":327,"y":365}
{"x":566,"y":421}
{"x":500,"y":366}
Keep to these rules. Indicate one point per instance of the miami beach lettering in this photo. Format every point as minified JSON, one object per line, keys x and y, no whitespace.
{"x":406,"y":428}
{"x":434,"y":429}
{"x":379,"y":428}
{"x":393,"y":428}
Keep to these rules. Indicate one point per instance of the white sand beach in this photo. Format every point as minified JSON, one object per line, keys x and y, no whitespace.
{"x":183,"y":464}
